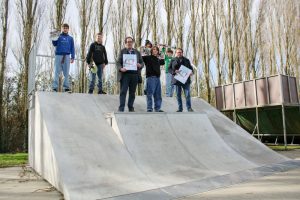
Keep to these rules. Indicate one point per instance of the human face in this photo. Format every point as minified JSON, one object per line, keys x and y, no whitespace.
{"x":178,"y":53}
{"x":154,"y":52}
{"x":99,"y":39}
{"x":169,"y":54}
{"x":129,"y":43}
{"x":65,"y":29}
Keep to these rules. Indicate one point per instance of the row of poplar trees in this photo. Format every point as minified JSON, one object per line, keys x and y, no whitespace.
{"x":227,"y":41}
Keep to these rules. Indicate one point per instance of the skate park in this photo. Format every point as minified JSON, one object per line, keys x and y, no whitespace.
{"x":87,"y":150}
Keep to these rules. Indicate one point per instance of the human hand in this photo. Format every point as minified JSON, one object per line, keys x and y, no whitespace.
{"x":123,"y":69}
{"x":177,"y":71}
{"x":139,"y":65}
{"x":72,"y":60}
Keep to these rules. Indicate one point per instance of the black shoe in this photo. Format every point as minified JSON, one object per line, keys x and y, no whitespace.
{"x":90,"y":91}
{"x":159,"y":110}
{"x":67,"y":90}
{"x":145,"y":92}
{"x":131,"y":109}
{"x":190,"y":110}
{"x":149,"y":110}
{"x":101,"y":92}
{"x":54,"y":90}
{"x":119,"y":110}
{"x":179,"y":111}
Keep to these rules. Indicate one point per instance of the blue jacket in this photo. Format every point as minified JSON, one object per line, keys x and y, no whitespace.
{"x":64,"y":45}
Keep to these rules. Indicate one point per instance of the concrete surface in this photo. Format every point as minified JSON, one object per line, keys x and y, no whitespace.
{"x":22,"y":184}
{"x":72,"y":145}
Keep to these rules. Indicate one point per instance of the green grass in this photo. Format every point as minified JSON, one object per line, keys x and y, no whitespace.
{"x":282,"y":147}
{"x":10,"y":160}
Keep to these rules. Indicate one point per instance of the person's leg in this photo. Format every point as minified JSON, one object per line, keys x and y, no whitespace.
{"x":187,"y":94}
{"x":66,"y":70}
{"x":168,"y":84}
{"x":179,"y":99}
{"x":57,"y":71}
{"x":150,"y":89}
{"x":92,"y":82}
{"x":173,"y":87}
{"x":123,"y":91}
{"x":99,"y":74}
{"x":145,"y":87}
{"x":133,"y":81}
{"x":157,"y":95}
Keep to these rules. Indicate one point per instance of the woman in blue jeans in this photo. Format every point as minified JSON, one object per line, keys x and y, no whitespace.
{"x":153,"y":63}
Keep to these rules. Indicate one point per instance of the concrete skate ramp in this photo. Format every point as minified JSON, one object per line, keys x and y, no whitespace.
{"x":143,"y":155}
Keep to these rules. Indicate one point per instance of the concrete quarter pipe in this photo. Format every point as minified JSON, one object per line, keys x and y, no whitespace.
{"x":87,"y":151}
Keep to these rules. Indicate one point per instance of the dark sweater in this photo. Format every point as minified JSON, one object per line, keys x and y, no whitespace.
{"x":153,"y":64}
{"x":97,"y":52}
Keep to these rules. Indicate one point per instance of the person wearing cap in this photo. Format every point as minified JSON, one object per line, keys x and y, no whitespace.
{"x":153,"y":63}
{"x":64,"y":48}
{"x":128,"y":78}
{"x":97,"y":54}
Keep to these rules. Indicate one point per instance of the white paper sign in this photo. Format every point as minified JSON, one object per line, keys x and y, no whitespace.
{"x":130,"y":61}
{"x":183,"y":74}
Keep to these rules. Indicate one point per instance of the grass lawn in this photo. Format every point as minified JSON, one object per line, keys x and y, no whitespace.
{"x":282,"y":148}
{"x":10,"y":160}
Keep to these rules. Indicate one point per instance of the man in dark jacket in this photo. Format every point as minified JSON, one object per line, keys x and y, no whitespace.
{"x":174,"y":69}
{"x":64,"y":48}
{"x":97,"y":53}
{"x":153,"y":63}
{"x":128,"y":78}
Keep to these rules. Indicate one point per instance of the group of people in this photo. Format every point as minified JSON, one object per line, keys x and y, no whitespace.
{"x":128,"y":77}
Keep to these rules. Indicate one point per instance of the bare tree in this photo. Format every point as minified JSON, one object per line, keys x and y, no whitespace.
{"x":217,"y":31}
{"x":180,"y":14}
{"x":3,"y":52}
{"x":85,"y":8}
{"x":30,"y":14}
{"x":169,"y":6}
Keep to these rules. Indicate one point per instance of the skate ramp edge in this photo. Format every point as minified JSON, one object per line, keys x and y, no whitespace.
{"x":87,"y":152}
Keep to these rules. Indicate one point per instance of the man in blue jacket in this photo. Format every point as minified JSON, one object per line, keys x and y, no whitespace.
{"x":64,"y":48}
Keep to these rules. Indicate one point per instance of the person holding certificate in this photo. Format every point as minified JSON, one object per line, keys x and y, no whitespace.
{"x":153,"y":63}
{"x":179,"y":67}
{"x":129,"y":64}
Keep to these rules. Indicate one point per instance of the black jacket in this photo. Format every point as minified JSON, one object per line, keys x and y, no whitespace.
{"x":119,"y":63}
{"x":175,"y":65}
{"x":97,"y":53}
{"x":153,"y":64}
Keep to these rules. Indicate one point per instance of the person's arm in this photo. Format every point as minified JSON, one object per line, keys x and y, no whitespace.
{"x":140,"y":60}
{"x":105,"y":56}
{"x":190,"y":66}
{"x":119,"y":62}
{"x":170,"y":68}
{"x":161,"y":61}
{"x":54,"y":42}
{"x":72,"y":50}
{"x":89,"y":55}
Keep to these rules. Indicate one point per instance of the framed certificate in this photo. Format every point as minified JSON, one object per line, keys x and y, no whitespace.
{"x":130,"y":61}
{"x":183,"y":74}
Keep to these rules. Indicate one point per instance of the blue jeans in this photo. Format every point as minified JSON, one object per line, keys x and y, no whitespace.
{"x":169,"y":85}
{"x":128,"y":81}
{"x":187,"y":94}
{"x":153,"y":89}
{"x":93,"y":78}
{"x":62,"y":63}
